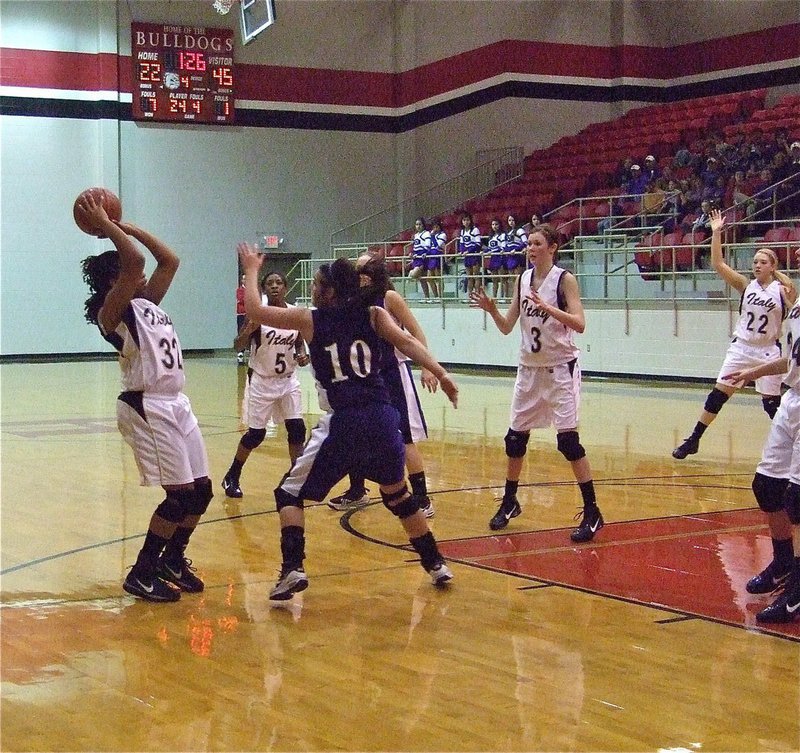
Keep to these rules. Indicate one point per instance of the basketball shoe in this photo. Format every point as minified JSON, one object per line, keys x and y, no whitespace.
{"x":689,"y":446}
{"x":181,"y":573}
{"x":440,"y":574}
{"x":348,"y":500}
{"x":149,"y":587}
{"x":289,"y":583}
{"x":591,"y":523}
{"x":786,"y":608}
{"x":509,"y":508}
{"x":232,"y":488}
{"x":426,"y":506}
{"x":770,"y":579}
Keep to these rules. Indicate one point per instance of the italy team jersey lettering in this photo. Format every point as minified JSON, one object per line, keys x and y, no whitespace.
{"x":272,"y":350}
{"x":347,"y":356}
{"x":545,"y":340}
{"x":761,"y":314}
{"x":792,"y":379}
{"x":150,"y":354}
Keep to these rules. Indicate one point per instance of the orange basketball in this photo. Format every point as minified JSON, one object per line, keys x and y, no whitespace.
{"x":110,"y":201}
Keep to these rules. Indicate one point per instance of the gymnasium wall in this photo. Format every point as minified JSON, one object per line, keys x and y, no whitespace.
{"x":343,"y":108}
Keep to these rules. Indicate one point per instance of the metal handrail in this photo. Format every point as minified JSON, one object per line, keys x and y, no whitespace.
{"x":387,"y":223}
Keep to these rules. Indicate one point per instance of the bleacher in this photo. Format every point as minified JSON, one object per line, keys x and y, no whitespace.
{"x":571,"y":184}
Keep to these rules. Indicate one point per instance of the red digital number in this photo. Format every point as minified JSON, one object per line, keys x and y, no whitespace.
{"x":177,"y":105}
{"x":196,"y":105}
{"x":192,"y":61}
{"x":185,"y":82}
{"x":150,"y":72}
{"x":223,"y":76}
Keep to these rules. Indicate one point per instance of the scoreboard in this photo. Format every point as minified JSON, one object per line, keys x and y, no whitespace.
{"x":182,"y":74}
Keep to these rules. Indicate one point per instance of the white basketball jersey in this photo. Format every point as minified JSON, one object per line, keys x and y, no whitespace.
{"x":761,"y":314}
{"x":272,"y":350}
{"x":149,"y":350}
{"x":545,"y":340}
{"x":792,"y":379}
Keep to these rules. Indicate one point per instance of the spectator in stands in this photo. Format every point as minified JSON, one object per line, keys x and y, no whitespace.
{"x":675,"y":204}
{"x":711,"y":173}
{"x":794,"y":155}
{"x":738,"y":191}
{"x":761,"y":185}
{"x":623,"y":171}
{"x":715,"y":194}
{"x":470,"y":247}
{"x":782,"y":142}
{"x":694,"y":193}
{"x":683,"y":156}
{"x":533,"y":224}
{"x":703,"y":220}
{"x":653,"y":203}
{"x":651,"y":171}
{"x":636,"y":184}
{"x":422,"y":245}
{"x":742,"y":158}
{"x":779,"y":166}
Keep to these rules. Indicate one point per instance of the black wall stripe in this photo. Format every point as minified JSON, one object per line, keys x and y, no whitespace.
{"x":265,"y":118}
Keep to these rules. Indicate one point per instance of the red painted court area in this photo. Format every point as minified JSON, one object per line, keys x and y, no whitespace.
{"x":695,"y":565}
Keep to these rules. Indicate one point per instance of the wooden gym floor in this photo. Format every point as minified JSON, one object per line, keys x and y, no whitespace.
{"x":641,"y":640}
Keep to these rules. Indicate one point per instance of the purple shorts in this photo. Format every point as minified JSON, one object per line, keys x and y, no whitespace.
{"x":472,"y":260}
{"x":365,"y":440}
{"x":515,"y":261}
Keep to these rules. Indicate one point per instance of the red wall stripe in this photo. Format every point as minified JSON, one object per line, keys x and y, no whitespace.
{"x":265,"y":83}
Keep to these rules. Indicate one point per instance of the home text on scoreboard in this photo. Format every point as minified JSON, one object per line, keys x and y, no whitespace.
{"x":182,"y":74}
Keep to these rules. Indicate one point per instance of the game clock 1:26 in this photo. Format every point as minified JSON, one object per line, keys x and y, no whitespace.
{"x":182,"y":74}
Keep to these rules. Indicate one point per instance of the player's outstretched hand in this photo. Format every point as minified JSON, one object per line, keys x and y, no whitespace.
{"x":479,"y":299}
{"x":250,"y":256}
{"x":717,"y":221}
{"x":450,"y":388}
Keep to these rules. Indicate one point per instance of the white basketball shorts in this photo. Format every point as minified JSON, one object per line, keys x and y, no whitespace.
{"x":780,"y":457}
{"x":271,"y":398}
{"x":165,"y":438}
{"x":546,"y":396}
{"x":743,"y":356}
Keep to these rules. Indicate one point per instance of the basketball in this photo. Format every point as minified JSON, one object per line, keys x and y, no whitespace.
{"x":110,"y":202}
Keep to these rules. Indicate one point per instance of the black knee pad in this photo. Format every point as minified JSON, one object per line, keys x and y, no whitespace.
{"x":569,"y":445}
{"x":791,"y":501}
{"x":404,"y":509}
{"x":202,"y":496}
{"x":715,"y":400}
{"x":175,"y":506}
{"x":284,"y":499}
{"x":771,"y":404}
{"x":253,"y":438}
{"x":296,"y":429}
{"x":769,"y":492}
{"x":517,"y":443}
